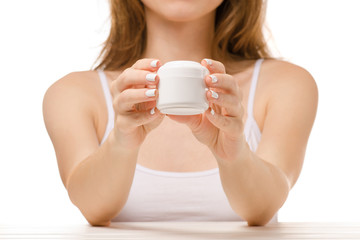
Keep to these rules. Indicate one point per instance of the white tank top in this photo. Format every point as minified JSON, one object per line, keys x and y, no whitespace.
{"x":181,"y":196}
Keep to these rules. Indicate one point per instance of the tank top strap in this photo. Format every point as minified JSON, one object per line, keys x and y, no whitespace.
{"x":254,"y":80}
{"x":109,"y":105}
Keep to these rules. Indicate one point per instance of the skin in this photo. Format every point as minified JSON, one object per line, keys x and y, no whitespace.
{"x":98,"y":178}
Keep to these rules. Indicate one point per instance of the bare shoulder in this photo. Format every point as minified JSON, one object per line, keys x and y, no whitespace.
{"x":285,"y":77}
{"x":75,"y":94}
{"x":291,"y":105}
{"x":70,"y":109}
{"x":76,"y":88}
{"x":78,"y":83}
{"x":291,"y":91}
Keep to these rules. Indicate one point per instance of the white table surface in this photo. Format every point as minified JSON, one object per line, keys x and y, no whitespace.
{"x":184,"y":230}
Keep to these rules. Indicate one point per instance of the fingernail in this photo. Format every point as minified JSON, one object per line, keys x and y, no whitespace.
{"x":150,"y":93}
{"x":213,"y":78}
{"x":214,"y":94}
{"x":208,"y":61}
{"x":151,"y":77}
{"x":212,"y":112}
{"x":206,"y":89}
{"x":154,"y":63}
{"x":152,"y":111}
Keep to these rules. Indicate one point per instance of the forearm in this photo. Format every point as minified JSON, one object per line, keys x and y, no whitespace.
{"x":100,"y":184}
{"x":255,"y":188}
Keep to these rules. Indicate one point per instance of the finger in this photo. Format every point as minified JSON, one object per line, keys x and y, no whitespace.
{"x":233,"y":126}
{"x":213,"y":66}
{"x":125,"y":101}
{"x":149,"y":64}
{"x":132,"y":77}
{"x":215,"y":107}
{"x":222,"y":81}
{"x":230,"y":102}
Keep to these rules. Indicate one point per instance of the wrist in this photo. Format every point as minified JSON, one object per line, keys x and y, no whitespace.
{"x":121,"y":143}
{"x":239,"y":153}
{"x":240,"y":165}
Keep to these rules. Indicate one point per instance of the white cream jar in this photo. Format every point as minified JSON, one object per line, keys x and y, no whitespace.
{"x":182,"y":89}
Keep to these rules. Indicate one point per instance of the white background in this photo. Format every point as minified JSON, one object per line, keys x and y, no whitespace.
{"x":42,"y":40}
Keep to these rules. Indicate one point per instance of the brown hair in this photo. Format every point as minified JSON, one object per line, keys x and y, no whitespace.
{"x":238,"y":33}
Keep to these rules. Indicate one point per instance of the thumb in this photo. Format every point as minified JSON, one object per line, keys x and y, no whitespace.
{"x":192,"y":121}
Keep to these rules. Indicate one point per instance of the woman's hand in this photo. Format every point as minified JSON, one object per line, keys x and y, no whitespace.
{"x":134,"y":99}
{"x":221,"y":126}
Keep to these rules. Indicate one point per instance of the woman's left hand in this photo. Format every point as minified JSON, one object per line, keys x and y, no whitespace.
{"x":221,"y":126}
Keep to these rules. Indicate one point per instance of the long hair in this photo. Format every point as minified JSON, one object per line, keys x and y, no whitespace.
{"x":239,"y":26}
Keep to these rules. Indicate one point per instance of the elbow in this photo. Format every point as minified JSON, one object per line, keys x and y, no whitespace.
{"x":98,"y":222}
{"x":97,"y":217}
{"x":257,"y":222}
{"x":100,"y":216}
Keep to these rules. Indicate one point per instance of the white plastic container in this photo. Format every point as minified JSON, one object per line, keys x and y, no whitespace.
{"x":182,"y":89}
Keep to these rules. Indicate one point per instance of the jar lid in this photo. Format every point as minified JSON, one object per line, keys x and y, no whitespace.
{"x":183,"y":69}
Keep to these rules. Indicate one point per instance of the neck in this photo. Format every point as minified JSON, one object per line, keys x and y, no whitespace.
{"x":170,"y":41}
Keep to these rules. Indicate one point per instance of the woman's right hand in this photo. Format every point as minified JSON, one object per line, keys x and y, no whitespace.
{"x":134,"y":101}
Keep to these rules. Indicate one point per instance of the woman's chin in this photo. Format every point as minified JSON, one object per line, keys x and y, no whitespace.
{"x":181,"y":10}
{"x":181,"y":16}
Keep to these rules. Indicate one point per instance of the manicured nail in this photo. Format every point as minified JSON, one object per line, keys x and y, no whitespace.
{"x":214,"y":94}
{"x":154,"y":63}
{"x":213,"y":78}
{"x":206,"y":89}
{"x":150,"y":93}
{"x":212,"y":112}
{"x":208,"y":61}
{"x":152,"y":111}
{"x":151,"y":77}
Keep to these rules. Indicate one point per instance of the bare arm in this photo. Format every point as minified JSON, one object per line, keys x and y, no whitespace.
{"x":257,"y":184}
{"x":99,"y":185}
{"x":98,"y":178}
{"x":90,"y":173}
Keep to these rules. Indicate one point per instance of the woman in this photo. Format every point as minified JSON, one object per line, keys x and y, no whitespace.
{"x":120,"y":159}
